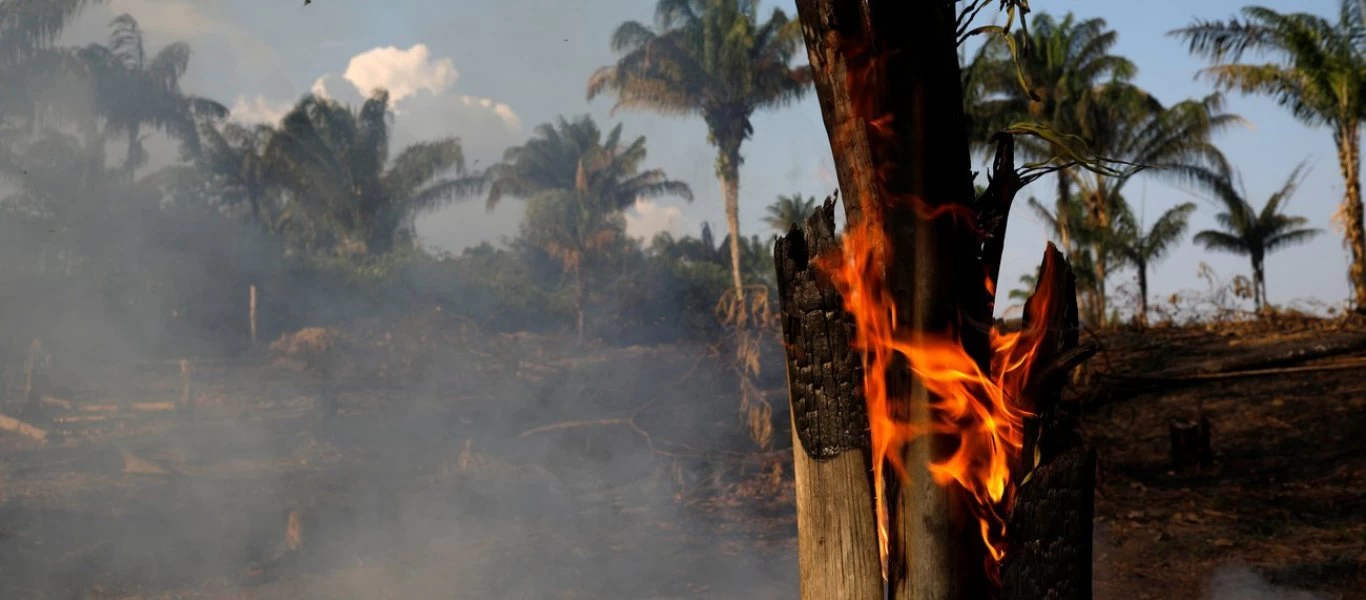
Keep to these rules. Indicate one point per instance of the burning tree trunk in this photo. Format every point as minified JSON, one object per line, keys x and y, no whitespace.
{"x":911,"y":287}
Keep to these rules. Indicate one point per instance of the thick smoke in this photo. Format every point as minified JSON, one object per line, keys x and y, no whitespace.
{"x":1241,"y":582}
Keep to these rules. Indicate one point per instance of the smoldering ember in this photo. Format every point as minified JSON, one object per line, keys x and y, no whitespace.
{"x":819,"y":299}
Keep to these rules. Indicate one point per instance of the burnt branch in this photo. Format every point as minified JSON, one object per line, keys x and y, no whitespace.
{"x":993,"y":207}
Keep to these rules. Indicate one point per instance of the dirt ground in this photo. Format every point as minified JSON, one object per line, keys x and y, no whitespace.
{"x":525,"y":468}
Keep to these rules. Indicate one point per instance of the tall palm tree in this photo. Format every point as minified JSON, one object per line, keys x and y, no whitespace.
{"x":1249,"y":232}
{"x":336,"y":165}
{"x":1320,"y":76}
{"x":713,"y":59}
{"x":788,"y":211}
{"x":576,"y":184}
{"x":1141,"y":249}
{"x":1068,"y":67}
{"x":134,"y":89}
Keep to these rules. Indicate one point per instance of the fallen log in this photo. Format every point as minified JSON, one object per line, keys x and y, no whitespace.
{"x":14,"y":425}
{"x":134,"y":406}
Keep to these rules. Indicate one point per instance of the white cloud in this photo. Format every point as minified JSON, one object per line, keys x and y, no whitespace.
{"x":646,"y":219}
{"x":251,"y":111}
{"x":503,"y":111}
{"x":402,"y":72}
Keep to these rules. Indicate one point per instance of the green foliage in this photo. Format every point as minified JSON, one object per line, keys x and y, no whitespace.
{"x":345,"y":193}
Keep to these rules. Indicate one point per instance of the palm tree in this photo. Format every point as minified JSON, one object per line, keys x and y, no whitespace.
{"x":1173,"y":143}
{"x":789,"y":211}
{"x":1142,"y":250}
{"x":336,"y":166}
{"x":576,"y":184}
{"x":134,"y":89}
{"x":713,"y":59}
{"x":1068,"y":67}
{"x":1320,"y":78}
{"x":1085,"y":240}
{"x":1253,"y":233}
{"x":235,"y":156}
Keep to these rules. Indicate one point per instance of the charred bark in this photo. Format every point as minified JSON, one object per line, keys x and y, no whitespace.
{"x":1050,"y":525}
{"x":837,"y":536}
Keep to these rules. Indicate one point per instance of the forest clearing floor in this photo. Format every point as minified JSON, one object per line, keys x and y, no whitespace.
{"x":526,"y":468}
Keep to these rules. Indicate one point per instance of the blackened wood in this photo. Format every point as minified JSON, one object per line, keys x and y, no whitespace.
{"x":1050,"y":532}
{"x":836,"y":523}
{"x":1050,"y":430}
{"x":825,"y":381}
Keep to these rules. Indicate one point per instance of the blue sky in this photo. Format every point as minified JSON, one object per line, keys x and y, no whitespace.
{"x":490,"y":70}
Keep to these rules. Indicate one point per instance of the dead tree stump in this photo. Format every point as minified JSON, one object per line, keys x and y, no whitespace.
{"x":1190,"y":443}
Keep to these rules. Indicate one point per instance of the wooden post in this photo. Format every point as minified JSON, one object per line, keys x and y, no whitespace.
{"x":251,"y":312}
{"x":887,"y":77}
{"x":837,"y":528}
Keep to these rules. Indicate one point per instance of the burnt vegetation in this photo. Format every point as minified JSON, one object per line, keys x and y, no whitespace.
{"x":230,"y":368}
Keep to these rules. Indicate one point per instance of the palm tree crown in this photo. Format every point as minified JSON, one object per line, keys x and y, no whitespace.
{"x":335,"y":163}
{"x":1254,"y":233}
{"x":789,"y":211}
{"x":576,"y":183}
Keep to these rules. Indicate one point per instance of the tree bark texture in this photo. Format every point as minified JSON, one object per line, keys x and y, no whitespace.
{"x":837,"y":536}
{"x":730,"y":189}
{"x":1349,"y":156}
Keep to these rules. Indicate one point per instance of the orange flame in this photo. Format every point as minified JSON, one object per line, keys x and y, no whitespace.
{"x":983,"y":410}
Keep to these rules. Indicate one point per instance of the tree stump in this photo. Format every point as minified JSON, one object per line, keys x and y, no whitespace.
{"x":1190,"y":443}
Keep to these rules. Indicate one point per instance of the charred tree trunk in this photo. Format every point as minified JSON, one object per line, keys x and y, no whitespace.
{"x":837,"y":536}
{"x":887,"y":77}
{"x":1050,"y":526}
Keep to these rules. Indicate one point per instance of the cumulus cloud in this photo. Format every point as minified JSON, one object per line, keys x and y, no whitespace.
{"x":646,"y":219}
{"x":257,"y":110}
{"x":402,"y":72}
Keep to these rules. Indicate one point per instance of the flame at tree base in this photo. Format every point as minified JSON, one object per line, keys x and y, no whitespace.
{"x":984,"y":411}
